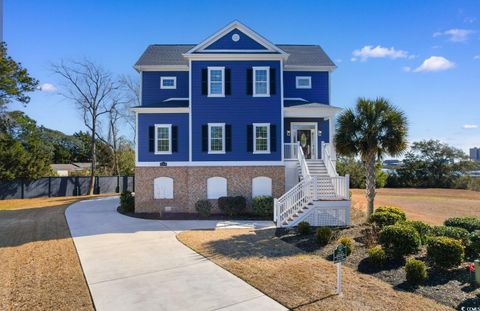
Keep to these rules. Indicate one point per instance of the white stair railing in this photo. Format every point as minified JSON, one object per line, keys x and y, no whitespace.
{"x":328,"y":160}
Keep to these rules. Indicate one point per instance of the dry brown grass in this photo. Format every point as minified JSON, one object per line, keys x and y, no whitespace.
{"x":430,"y":205}
{"x":40,"y":267}
{"x":297,"y":280}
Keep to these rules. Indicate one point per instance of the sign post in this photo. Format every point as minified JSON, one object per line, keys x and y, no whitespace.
{"x":339,"y":256}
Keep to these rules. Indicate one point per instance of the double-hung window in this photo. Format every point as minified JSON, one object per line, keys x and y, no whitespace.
{"x":261,"y":137}
{"x":303,"y":82}
{"x":216,"y":81}
{"x":261,"y":81}
{"x":168,"y":82}
{"x":163,"y":139}
{"x":216,"y":138}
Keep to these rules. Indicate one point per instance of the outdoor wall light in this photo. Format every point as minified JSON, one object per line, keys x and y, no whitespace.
{"x":319,"y":133}
{"x":288,"y":132}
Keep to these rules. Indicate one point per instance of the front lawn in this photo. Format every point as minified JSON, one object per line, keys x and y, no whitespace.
{"x":40,"y":267}
{"x":297,"y":279}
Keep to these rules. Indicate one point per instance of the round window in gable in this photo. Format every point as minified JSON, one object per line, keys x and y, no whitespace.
{"x":235,"y":37}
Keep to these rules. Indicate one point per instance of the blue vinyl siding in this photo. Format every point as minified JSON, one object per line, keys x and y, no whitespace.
{"x":319,"y":91}
{"x":226,"y":43}
{"x":323,"y":125}
{"x":238,"y":110}
{"x":153,"y":95}
{"x":145,"y":120}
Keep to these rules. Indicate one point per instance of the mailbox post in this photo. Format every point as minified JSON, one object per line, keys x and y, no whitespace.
{"x":339,"y":256}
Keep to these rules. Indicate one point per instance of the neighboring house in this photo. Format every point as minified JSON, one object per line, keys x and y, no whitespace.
{"x":475,"y":154}
{"x":238,"y":115}
{"x":72,"y":169}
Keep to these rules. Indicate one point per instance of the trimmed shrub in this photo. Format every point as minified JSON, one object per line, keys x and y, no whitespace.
{"x":392,"y":209}
{"x":468,"y":223}
{"x":445,"y":252}
{"x":383,"y":219}
{"x":232,"y":206}
{"x":203,"y":207}
{"x":263,"y":205}
{"x":416,"y":271}
{"x":376,"y":255}
{"x":323,"y":235}
{"x":473,"y":248}
{"x":127,"y":202}
{"x":399,"y":240}
{"x":304,"y":228}
{"x":422,"y":229}
{"x":451,"y":232}
{"x":348,"y":243}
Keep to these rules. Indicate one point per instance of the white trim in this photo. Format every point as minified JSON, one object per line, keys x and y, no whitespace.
{"x":309,"y":86}
{"x":160,"y":110}
{"x":244,"y":29}
{"x":254,"y":79}
{"x":309,"y":68}
{"x":190,"y":115}
{"x":222,"y":69}
{"x":315,"y":124}
{"x":295,"y":98}
{"x":175,"y":98}
{"x":282,"y":125}
{"x":169,"y":127}
{"x":311,"y":110}
{"x":236,"y":51}
{"x":218,"y":56}
{"x":255,"y":125}
{"x":136,"y":137}
{"x":140,"y":68}
{"x":210,"y":125}
{"x":168,"y":87}
{"x":211,"y":163}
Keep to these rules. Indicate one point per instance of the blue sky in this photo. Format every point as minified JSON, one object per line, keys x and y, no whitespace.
{"x":422,"y":55}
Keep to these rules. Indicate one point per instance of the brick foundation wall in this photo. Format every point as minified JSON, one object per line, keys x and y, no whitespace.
{"x":190,"y":185}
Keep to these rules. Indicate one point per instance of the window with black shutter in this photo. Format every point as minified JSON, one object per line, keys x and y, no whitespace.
{"x":249,"y":81}
{"x":272,"y":81}
{"x":151,"y":139}
{"x":250,"y":138}
{"x":174,"y":138}
{"x":205,"y":138}
{"x":228,"y":138}
{"x":273,"y":138}
{"x":228,"y":81}
{"x":205,"y":81}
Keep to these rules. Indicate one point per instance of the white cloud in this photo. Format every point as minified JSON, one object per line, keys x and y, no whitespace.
{"x":476,"y":57}
{"x":470,"y":126}
{"x":455,"y":35}
{"x":369,"y":51}
{"x":407,"y":69}
{"x":48,"y":87}
{"x":435,"y":63}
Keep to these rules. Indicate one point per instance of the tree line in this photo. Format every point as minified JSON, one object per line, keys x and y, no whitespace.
{"x":102,"y":101}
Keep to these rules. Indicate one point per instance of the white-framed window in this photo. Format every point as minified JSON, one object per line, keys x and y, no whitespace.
{"x":216,"y":81}
{"x":163,"y":188}
{"x":216,"y":137}
{"x":303,"y":82}
{"x":261,"y":137}
{"x":168,"y":82}
{"x":163,"y":138}
{"x":261,"y":186}
{"x":216,"y":187}
{"x":261,"y":81}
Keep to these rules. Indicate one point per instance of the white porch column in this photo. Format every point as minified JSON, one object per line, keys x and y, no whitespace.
{"x":332,"y":129}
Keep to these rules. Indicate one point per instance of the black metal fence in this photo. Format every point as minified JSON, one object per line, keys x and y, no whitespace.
{"x":64,"y":186}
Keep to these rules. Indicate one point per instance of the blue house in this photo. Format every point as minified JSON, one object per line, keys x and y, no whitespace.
{"x":238,"y":115}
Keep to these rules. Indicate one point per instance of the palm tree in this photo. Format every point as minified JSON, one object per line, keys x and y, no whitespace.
{"x":373,"y":129}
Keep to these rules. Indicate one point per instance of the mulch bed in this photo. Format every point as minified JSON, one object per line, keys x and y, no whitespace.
{"x":452,"y":288}
{"x":191,"y":216}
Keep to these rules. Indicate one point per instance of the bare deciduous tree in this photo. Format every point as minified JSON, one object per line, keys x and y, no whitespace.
{"x":131,"y":89}
{"x":93,"y":90}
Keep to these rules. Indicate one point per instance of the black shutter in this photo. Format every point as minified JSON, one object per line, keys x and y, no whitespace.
{"x":249,"y":138}
{"x":272,"y":81}
{"x":228,"y":82}
{"x":174,"y":138}
{"x":205,"y":138}
{"x":228,"y":138}
{"x":151,"y":139}
{"x":273,"y":138}
{"x":249,"y":81}
{"x":204,"y":81}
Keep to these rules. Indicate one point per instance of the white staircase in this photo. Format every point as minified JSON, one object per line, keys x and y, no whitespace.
{"x":321,"y":197}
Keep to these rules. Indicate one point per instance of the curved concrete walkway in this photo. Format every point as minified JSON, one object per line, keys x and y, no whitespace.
{"x":137,"y":264}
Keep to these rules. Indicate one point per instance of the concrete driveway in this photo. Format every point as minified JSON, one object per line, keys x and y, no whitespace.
{"x":137,"y":264}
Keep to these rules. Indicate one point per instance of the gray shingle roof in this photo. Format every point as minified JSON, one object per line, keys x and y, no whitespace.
{"x":171,"y":54}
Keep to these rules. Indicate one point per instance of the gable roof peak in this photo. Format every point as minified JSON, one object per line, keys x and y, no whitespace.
{"x":270,"y":47}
